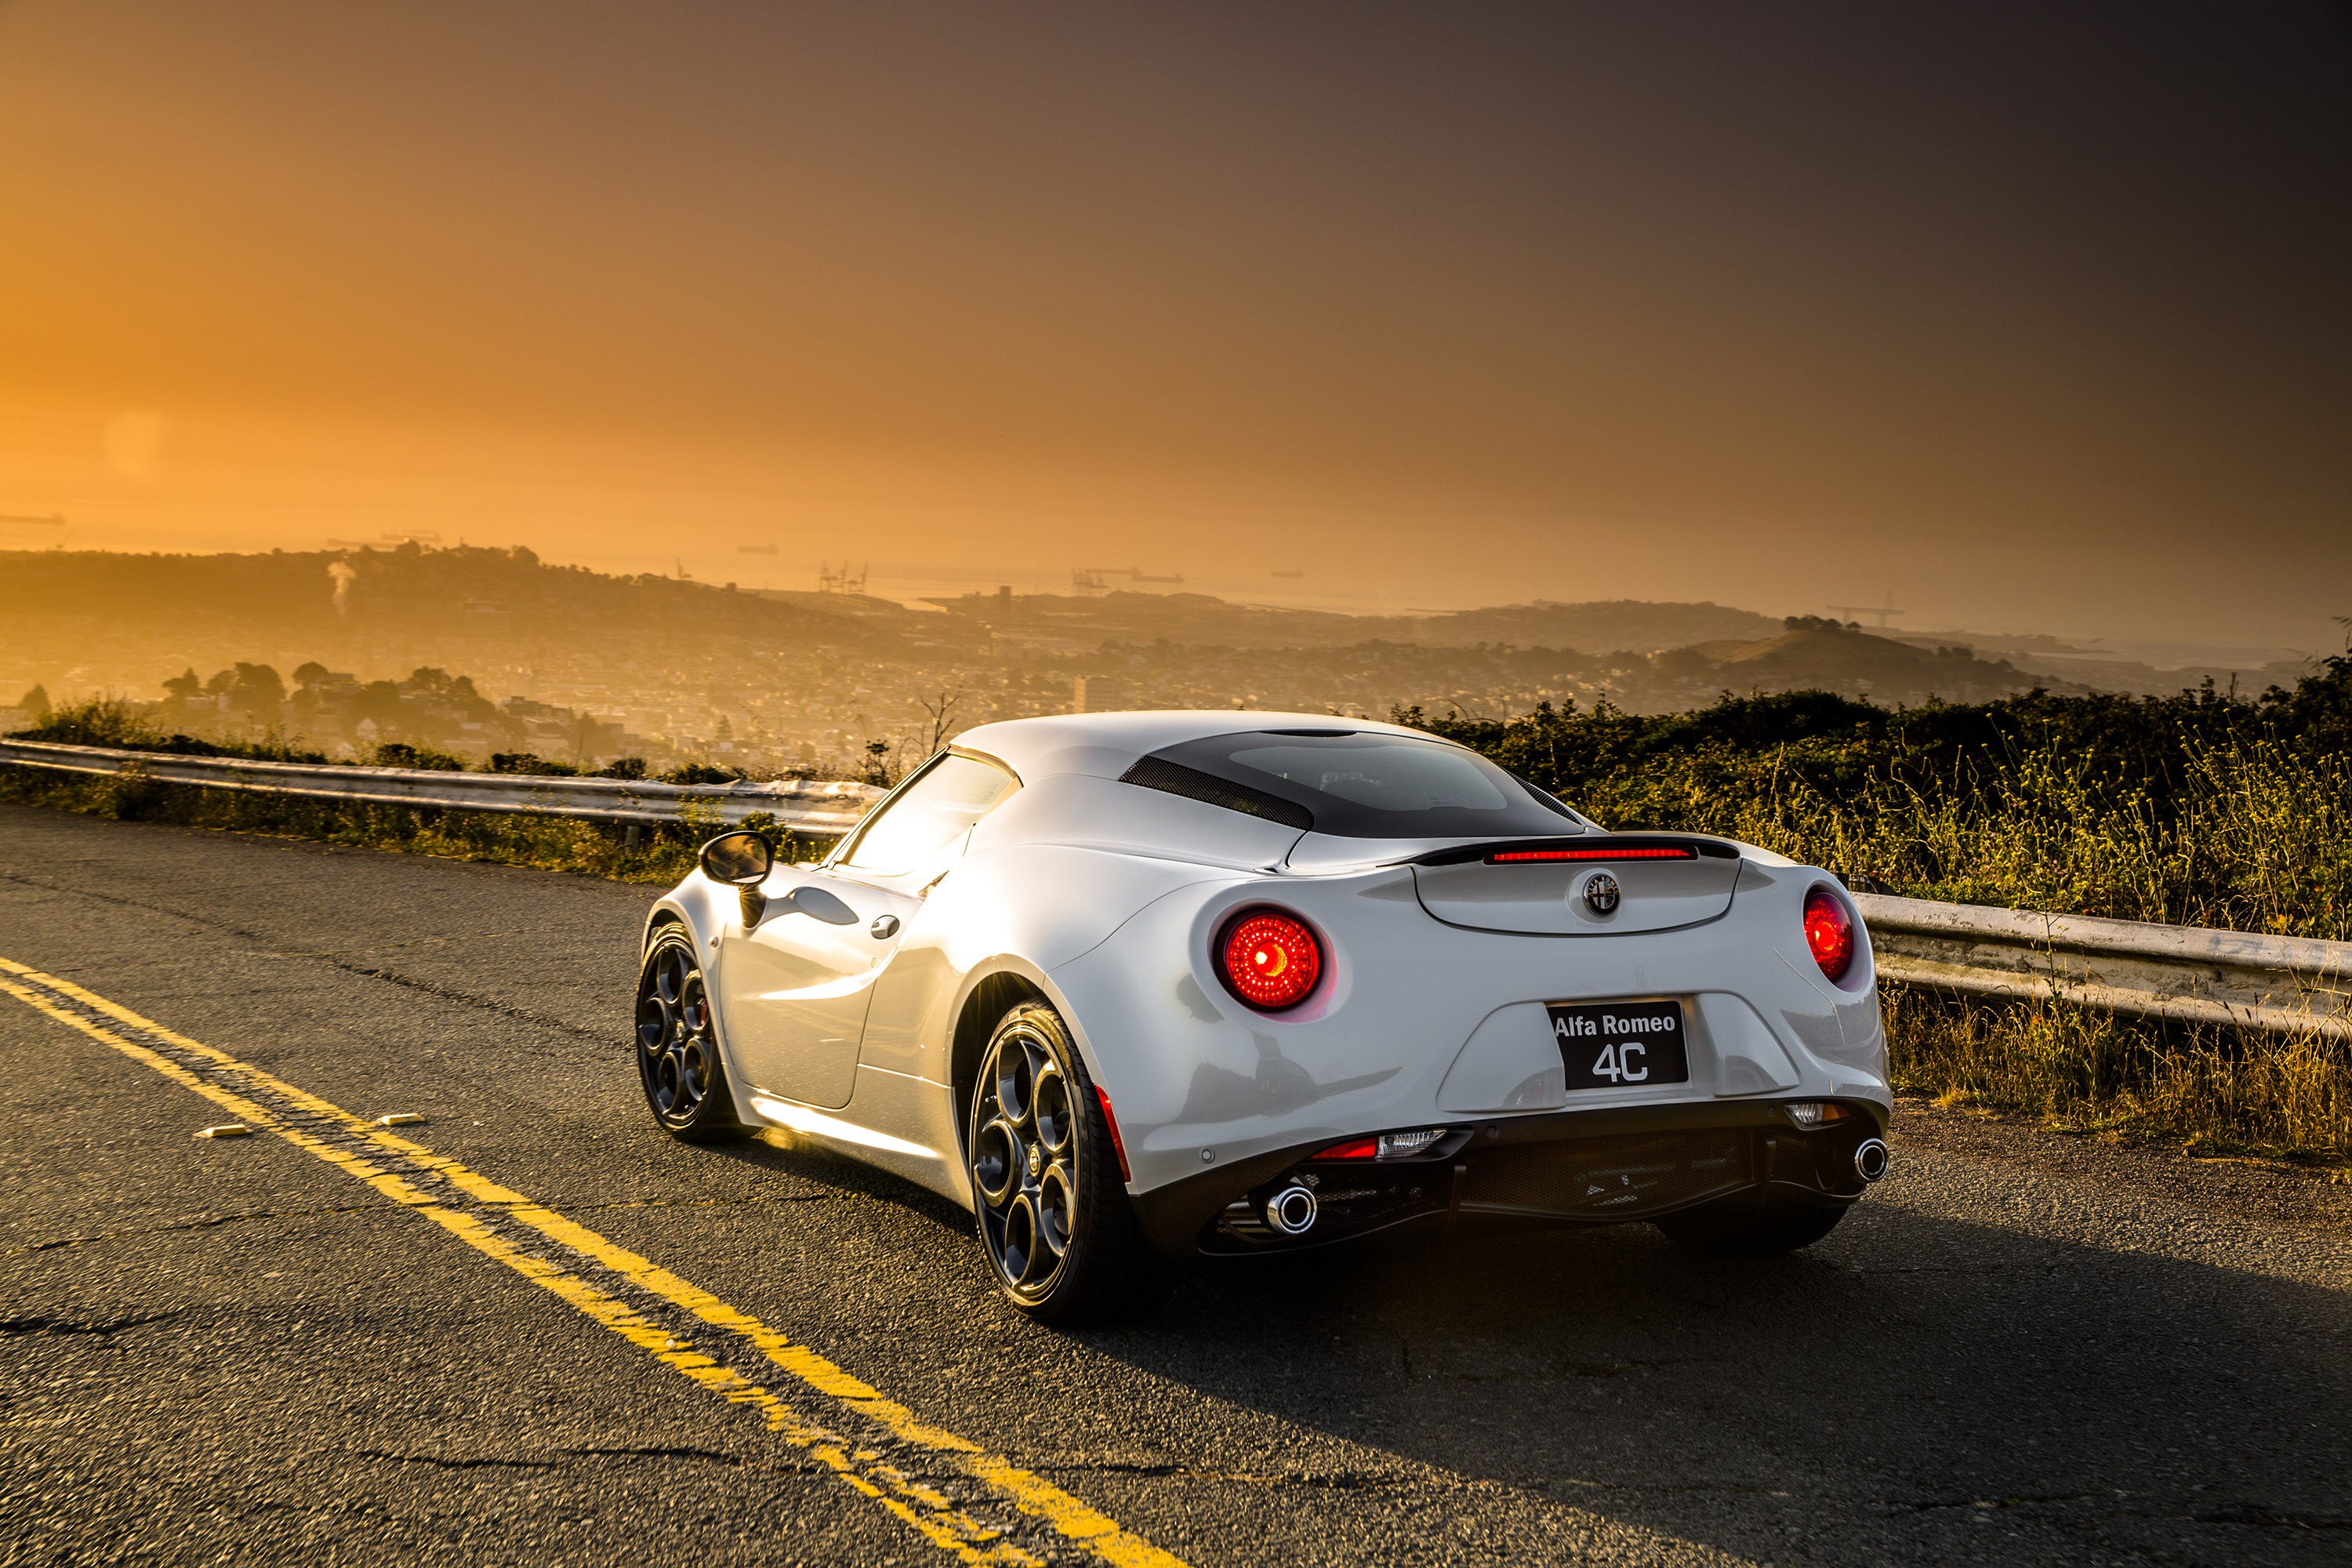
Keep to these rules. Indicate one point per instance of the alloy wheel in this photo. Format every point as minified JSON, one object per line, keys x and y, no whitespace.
{"x":676,"y":1052}
{"x":1024,"y":1161}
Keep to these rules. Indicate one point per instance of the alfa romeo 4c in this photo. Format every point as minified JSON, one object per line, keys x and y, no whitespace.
{"x":1139,"y":987}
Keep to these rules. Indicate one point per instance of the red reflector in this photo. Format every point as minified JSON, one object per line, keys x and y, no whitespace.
{"x":1118,"y":1144}
{"x":1829,"y":932}
{"x":1270,"y":960}
{"x":1360,"y":1148}
{"x":1647,"y":853}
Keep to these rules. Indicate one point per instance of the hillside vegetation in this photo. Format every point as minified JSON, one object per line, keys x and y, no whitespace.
{"x":2195,"y":810}
{"x":2199,"y":809}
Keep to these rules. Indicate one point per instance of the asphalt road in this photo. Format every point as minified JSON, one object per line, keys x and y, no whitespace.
{"x":241,"y":1349}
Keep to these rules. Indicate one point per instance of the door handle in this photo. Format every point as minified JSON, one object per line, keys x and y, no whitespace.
{"x":884,"y":926}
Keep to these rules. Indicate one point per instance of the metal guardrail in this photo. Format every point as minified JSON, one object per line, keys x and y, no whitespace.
{"x":803,"y":805}
{"x":2235,"y":978}
{"x":2281,"y":984}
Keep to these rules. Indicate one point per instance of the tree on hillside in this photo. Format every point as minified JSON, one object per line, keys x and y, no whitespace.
{"x":379,"y":700}
{"x":939,"y":714}
{"x":36,"y":703}
{"x":430,"y":681}
{"x":311,"y":672}
{"x":257,"y":684}
{"x":184,"y":684}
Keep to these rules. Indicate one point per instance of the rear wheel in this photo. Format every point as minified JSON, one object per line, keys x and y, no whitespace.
{"x":677,"y":1045}
{"x":1739,"y":1227}
{"x":1063,"y":1242}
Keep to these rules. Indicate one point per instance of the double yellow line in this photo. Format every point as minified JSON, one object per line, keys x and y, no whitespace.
{"x":980,"y":1510}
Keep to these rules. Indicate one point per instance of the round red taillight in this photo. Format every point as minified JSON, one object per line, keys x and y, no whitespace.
{"x":1270,"y":960}
{"x":1829,"y":932}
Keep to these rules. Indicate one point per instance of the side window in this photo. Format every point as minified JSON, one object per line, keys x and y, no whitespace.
{"x":929,"y":817}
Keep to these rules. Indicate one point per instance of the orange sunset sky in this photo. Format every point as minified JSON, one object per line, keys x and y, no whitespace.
{"x":2035,"y":317}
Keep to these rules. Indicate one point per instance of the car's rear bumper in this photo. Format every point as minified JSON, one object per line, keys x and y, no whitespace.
{"x":1562,"y":1168}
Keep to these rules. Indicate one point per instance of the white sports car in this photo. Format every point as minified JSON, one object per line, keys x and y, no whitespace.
{"x":1137,"y":987}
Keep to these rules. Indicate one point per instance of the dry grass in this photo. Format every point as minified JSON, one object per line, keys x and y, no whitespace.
{"x":660,"y":855}
{"x":2255,"y":837}
{"x":2280,"y":1097}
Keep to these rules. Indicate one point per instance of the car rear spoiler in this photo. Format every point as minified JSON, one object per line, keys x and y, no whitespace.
{"x":1584,"y":847}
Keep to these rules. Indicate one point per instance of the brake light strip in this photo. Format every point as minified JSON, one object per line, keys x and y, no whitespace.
{"x":1646,"y":853}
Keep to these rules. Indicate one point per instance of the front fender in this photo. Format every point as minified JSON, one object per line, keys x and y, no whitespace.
{"x":710,"y":911}
{"x":705,"y":908}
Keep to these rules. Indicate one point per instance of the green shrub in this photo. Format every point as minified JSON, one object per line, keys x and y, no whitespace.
{"x":400,"y":754}
{"x":700,"y":774}
{"x":126,"y":726}
{"x":101,"y":721}
{"x":529,"y":764}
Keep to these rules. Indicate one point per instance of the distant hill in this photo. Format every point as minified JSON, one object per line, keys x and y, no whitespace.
{"x":831,"y":670}
{"x":1086,"y":621}
{"x":408,"y":591}
{"x":2061,"y":663}
{"x":1822,"y":656}
{"x":1602,"y":627}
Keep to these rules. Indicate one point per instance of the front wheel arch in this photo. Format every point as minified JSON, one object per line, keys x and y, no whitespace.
{"x":680,"y":1055}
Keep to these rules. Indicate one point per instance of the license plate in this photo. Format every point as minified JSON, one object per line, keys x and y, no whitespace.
{"x":1620,"y":1045}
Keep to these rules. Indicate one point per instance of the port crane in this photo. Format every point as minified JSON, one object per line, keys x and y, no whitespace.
{"x":1881,"y":611}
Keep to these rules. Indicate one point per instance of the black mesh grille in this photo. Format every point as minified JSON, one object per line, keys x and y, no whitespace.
{"x":1611,"y":1178}
{"x":1174,"y":778}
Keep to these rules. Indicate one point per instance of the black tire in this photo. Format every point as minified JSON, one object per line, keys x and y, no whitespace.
{"x":678,"y":1063}
{"x":1737,"y":1227}
{"x":1062,"y":1241}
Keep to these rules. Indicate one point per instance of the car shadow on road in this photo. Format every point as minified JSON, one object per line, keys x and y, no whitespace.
{"x":1913,"y":1386}
{"x":1898,"y":1375}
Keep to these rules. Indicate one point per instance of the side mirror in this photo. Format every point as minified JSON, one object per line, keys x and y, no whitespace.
{"x":739,"y":859}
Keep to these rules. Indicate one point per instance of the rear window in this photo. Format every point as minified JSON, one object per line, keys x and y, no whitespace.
{"x":1356,"y":785}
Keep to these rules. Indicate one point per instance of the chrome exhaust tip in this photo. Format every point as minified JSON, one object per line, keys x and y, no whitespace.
{"x":1870,"y":1160}
{"x":1290,"y":1212}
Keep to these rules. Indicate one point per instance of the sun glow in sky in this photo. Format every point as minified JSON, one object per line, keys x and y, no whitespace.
{"x":2035,"y":318}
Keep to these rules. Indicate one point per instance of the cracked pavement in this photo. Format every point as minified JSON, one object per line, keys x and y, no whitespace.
{"x":2020,"y":1349}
